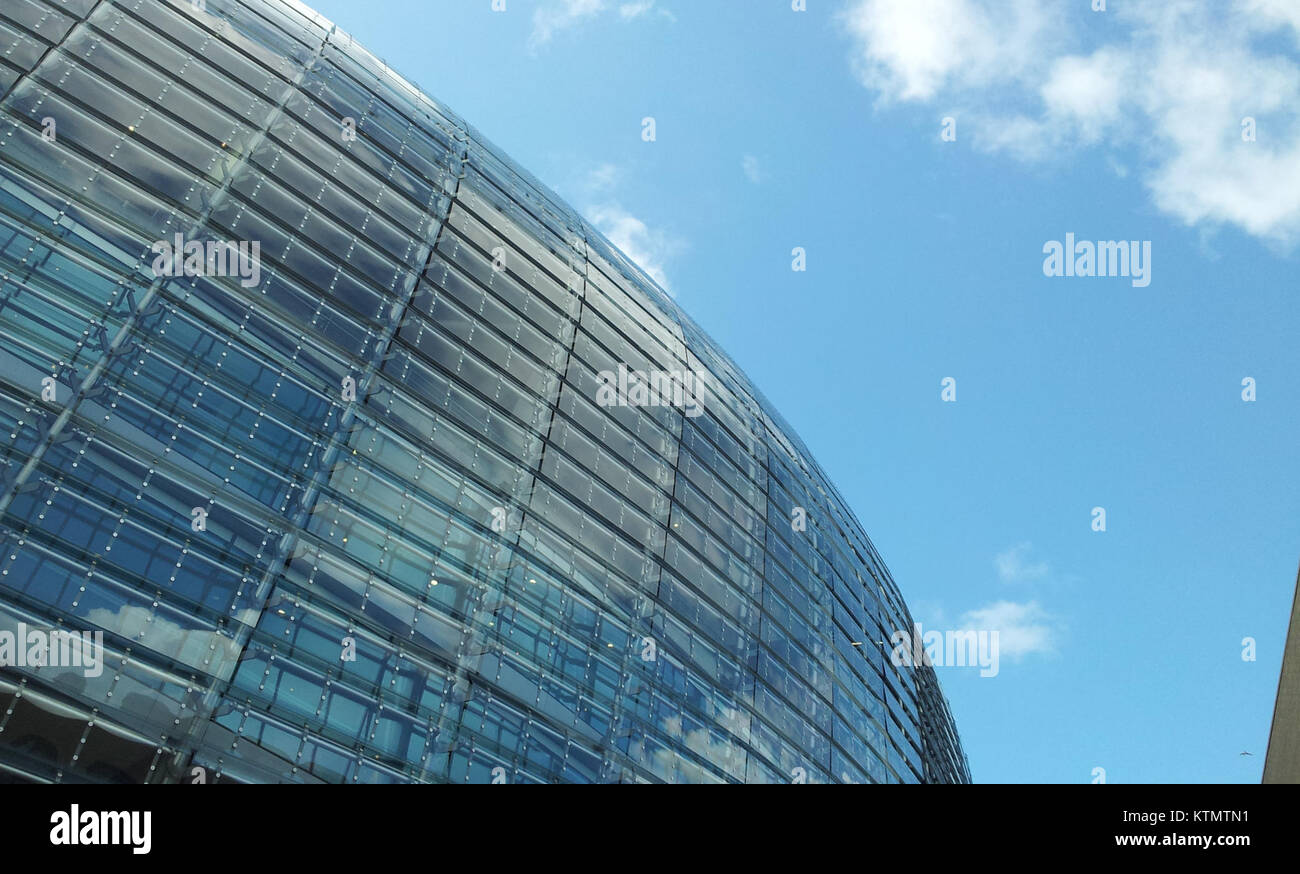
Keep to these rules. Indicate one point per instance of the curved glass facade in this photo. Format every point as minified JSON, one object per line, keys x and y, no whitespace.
{"x":398,"y":471}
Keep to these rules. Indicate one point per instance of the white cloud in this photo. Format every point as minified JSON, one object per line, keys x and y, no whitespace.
{"x":1023,"y":628}
{"x":1014,"y":565}
{"x":635,"y":9}
{"x":597,"y":194}
{"x":638,"y":8}
{"x":1087,"y":92}
{"x":603,"y":178}
{"x":912,"y":49}
{"x":1173,"y":79}
{"x":752,"y":169}
{"x":1275,"y":12}
{"x":648,"y":248}
{"x":552,"y":17}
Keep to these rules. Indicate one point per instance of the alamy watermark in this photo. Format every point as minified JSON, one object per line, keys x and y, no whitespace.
{"x":960,"y":648}
{"x":179,"y":257}
{"x":52,"y":647}
{"x":1102,"y":258}
{"x":74,"y":827}
{"x":655,"y":388}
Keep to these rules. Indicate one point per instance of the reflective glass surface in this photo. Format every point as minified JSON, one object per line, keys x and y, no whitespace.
{"x":362,"y":517}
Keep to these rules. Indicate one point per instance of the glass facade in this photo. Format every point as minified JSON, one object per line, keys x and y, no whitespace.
{"x":349,"y":506}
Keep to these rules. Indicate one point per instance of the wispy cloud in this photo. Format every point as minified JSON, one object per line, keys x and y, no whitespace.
{"x":635,"y":9}
{"x":602,"y":179}
{"x":600,"y":197}
{"x":752,"y":168}
{"x":649,"y":248}
{"x":1015,"y":566}
{"x":556,"y":15}
{"x":638,"y":8}
{"x":1173,"y":80}
{"x":1023,"y":628}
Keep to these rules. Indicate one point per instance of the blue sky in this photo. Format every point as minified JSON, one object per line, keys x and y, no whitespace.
{"x":1120,"y":649}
